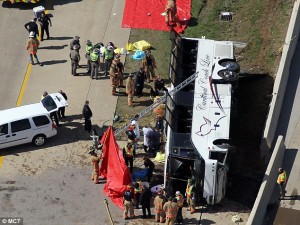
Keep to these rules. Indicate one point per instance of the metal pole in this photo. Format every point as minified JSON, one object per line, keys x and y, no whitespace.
{"x":110,"y":218}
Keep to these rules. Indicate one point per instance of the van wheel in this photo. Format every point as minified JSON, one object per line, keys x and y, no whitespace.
{"x":39,"y":140}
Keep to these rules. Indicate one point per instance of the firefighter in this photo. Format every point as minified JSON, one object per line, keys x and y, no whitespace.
{"x":129,"y":154}
{"x":180,"y":200}
{"x":114,"y":78}
{"x":149,"y":65}
{"x":95,"y":61}
{"x":138,"y":188}
{"x":171,"y":209}
{"x":88,"y":51}
{"x":130,"y":84}
{"x":120,"y":67}
{"x":281,"y":180}
{"x":108,"y":56}
{"x":170,"y":12}
{"x":128,"y":200}
{"x":94,"y":159}
{"x":190,"y":196}
{"x":159,"y":202}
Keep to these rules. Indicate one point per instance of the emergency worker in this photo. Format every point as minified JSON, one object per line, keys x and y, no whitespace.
{"x":32,"y":46}
{"x":120,"y":67}
{"x":159,"y":202}
{"x":171,"y":209}
{"x":95,"y":61}
{"x":32,"y":26}
{"x":129,"y":154}
{"x":128,"y":203}
{"x":281,"y":180}
{"x":190,"y":196}
{"x":114,"y":78}
{"x":75,"y":58}
{"x":146,"y":197}
{"x":179,"y":197}
{"x":108,"y":56}
{"x":149,"y":65}
{"x":94,"y":159}
{"x":138,"y":188}
{"x":130,"y":83}
{"x":88,"y":51}
{"x":170,"y":11}
{"x":140,"y":78}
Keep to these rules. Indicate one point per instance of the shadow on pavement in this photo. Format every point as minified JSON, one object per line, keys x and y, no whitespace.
{"x":53,"y":47}
{"x":52,"y":62}
{"x":61,"y":38}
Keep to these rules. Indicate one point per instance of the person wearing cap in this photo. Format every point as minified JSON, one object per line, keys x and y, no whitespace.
{"x":149,"y":65}
{"x":95,"y":62}
{"x":114,"y":78}
{"x":159,"y":202}
{"x":281,"y":180}
{"x":94,"y":159}
{"x":32,"y":46}
{"x":61,"y":110}
{"x":44,"y":21}
{"x":75,"y":41}
{"x":130,"y":84}
{"x":88,"y":51}
{"x":145,"y":200}
{"x":130,"y":134}
{"x":75,"y":58}
{"x":171,"y":209}
{"x":108,"y":56}
{"x":128,"y":202}
{"x":129,"y":154}
{"x":189,"y":193}
{"x":180,"y":200}
{"x":32,"y":26}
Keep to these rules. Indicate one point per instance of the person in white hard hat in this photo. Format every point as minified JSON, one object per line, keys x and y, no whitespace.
{"x":32,"y":46}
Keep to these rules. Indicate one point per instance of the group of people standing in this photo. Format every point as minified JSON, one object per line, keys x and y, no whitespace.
{"x":167,"y":208}
{"x":33,"y":43}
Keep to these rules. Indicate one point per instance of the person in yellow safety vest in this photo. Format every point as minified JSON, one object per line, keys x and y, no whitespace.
{"x":94,"y":159}
{"x":129,"y":154}
{"x":95,"y":60}
{"x":114,"y":78}
{"x":171,"y":209}
{"x":130,"y":84}
{"x":281,"y":180}
{"x":88,"y":51}
{"x":179,"y":197}
{"x":138,"y":188}
{"x":128,"y":199}
{"x":159,"y":202}
{"x":190,"y":196}
{"x":108,"y":56}
{"x":170,"y":12}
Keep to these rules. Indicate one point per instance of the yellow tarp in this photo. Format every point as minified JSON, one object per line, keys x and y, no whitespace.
{"x":142,"y":45}
{"x":160,"y":157}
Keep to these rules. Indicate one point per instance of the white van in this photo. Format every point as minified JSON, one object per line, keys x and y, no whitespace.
{"x":30,"y":123}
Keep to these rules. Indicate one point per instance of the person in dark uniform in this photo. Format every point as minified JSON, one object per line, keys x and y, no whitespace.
{"x":61,"y":110}
{"x":140,"y":78}
{"x":87,"y":114}
{"x":44,"y":21}
{"x":145,"y":201}
{"x":32,"y":26}
{"x":75,"y":58}
{"x":150,"y":165}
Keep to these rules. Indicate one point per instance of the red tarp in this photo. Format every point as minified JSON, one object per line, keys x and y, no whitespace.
{"x":147,"y":14}
{"x":114,"y":169}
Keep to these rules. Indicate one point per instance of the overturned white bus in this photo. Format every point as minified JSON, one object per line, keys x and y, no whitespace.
{"x":198,"y":116}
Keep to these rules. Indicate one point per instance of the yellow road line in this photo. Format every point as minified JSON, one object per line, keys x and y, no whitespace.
{"x":1,"y":161}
